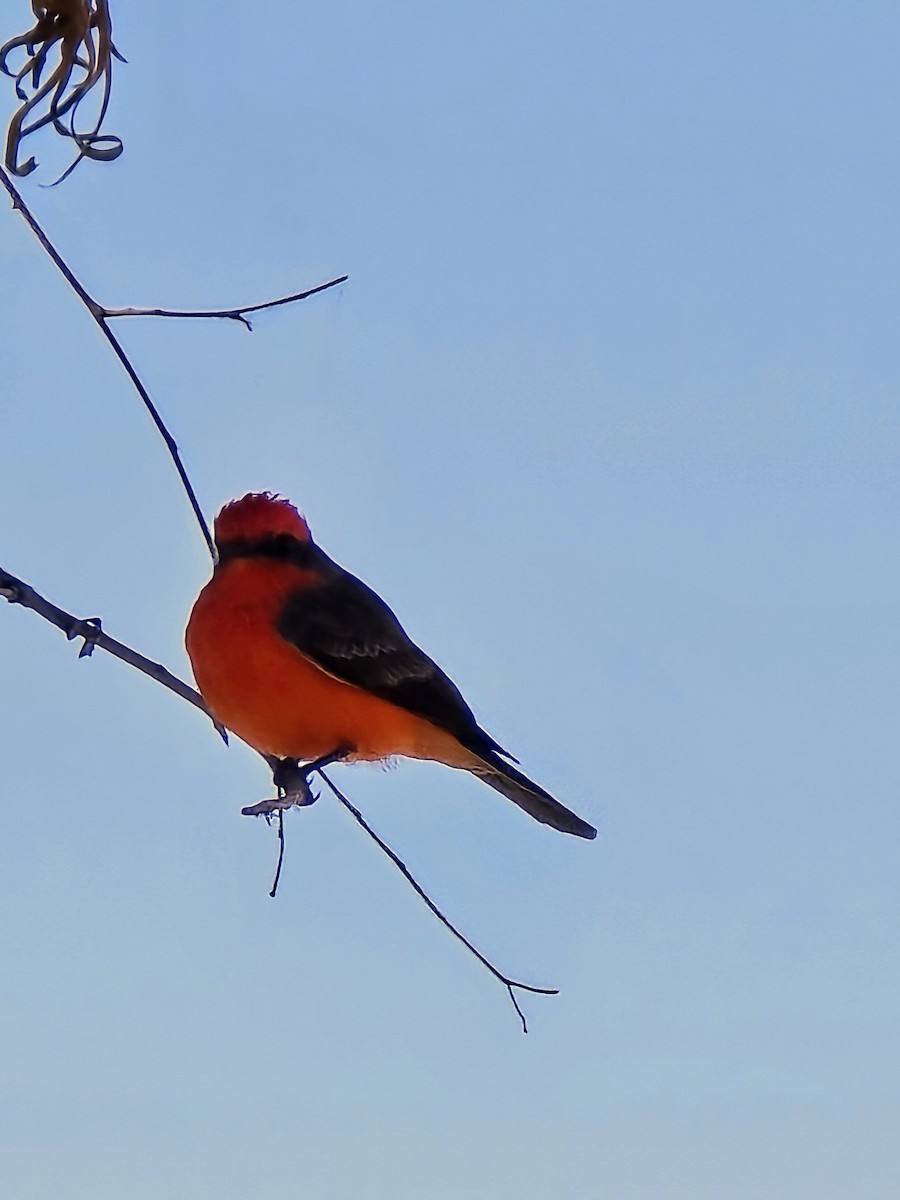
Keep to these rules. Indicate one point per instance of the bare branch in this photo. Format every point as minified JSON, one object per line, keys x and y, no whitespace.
{"x":16,"y":591}
{"x":401,"y":866}
{"x":233,"y":314}
{"x":102,"y":316}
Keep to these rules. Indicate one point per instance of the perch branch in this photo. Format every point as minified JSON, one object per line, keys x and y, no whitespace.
{"x":18,"y":592}
{"x":401,"y":866}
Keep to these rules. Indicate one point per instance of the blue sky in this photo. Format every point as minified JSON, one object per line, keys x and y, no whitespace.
{"x":608,"y":413}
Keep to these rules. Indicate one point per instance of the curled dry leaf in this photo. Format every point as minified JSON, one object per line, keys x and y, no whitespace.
{"x":68,"y":52}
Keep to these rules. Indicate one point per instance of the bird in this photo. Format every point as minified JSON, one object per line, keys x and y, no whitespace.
{"x":306,"y":663}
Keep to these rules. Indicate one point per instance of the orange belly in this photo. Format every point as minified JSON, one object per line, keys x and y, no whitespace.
{"x":264,"y":690}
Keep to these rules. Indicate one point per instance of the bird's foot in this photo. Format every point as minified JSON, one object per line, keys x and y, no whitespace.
{"x":292,"y":780}
{"x":265,"y":808}
{"x":292,"y":777}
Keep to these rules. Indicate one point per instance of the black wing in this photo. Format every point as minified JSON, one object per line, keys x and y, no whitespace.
{"x":347,"y":629}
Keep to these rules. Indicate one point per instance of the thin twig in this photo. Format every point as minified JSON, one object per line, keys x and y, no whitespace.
{"x":401,"y":866}
{"x":16,"y":591}
{"x":102,"y":316}
{"x":233,"y":314}
{"x":280,"y":853}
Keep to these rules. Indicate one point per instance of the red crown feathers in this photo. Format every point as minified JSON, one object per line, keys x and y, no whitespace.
{"x":258,"y":515}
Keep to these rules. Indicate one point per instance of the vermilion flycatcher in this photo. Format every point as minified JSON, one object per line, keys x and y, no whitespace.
{"x":303,"y":661}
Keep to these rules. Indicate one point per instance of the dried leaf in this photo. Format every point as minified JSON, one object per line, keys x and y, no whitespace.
{"x":76,"y":36}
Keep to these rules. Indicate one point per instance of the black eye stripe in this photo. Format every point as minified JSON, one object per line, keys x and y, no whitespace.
{"x":282,"y":547}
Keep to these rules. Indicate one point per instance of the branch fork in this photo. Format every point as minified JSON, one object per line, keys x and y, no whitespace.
{"x":102,"y":316}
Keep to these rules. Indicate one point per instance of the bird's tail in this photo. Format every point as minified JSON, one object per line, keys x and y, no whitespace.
{"x":528,"y":795}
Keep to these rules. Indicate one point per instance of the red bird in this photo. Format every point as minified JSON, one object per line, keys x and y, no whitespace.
{"x":303,"y":661}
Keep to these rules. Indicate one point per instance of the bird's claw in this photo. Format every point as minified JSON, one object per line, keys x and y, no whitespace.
{"x":296,"y":799}
{"x":302,"y":798}
{"x":292,"y":780}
